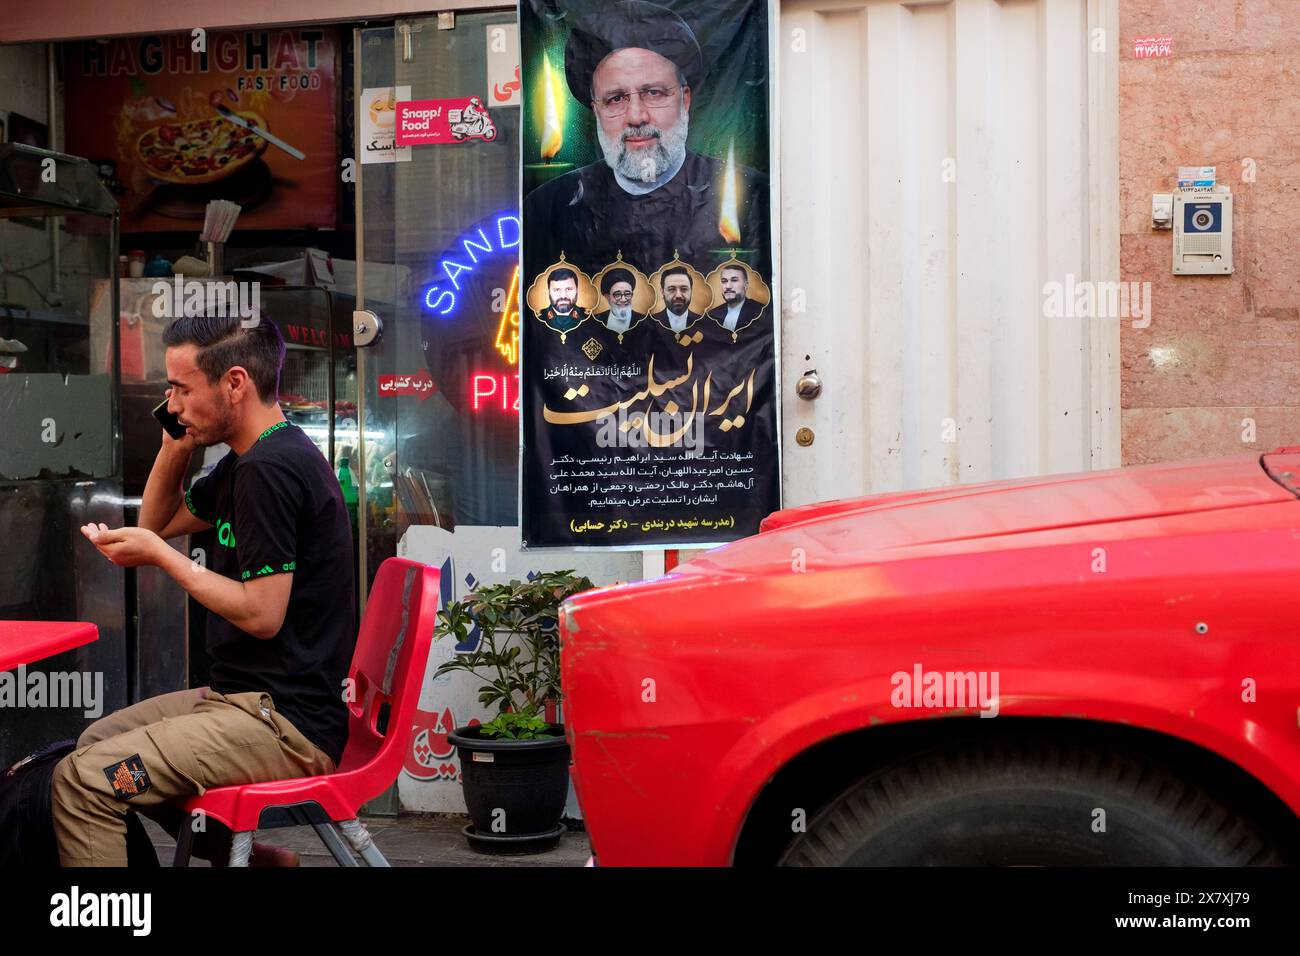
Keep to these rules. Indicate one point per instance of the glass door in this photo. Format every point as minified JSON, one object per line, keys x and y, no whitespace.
{"x":438,"y":392}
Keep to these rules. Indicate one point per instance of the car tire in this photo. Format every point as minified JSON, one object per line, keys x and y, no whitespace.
{"x":1029,"y":802}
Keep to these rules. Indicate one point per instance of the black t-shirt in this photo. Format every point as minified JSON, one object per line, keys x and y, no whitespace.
{"x":278,"y":508}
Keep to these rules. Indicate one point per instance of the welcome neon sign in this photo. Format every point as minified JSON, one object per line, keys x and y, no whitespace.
{"x":489,"y":241}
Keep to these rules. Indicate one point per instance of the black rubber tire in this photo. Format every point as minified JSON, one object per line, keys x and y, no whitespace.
{"x":1028,"y":802}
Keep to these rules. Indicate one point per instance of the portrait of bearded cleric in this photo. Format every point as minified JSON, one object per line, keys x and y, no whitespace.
{"x":624,"y":298}
{"x":638,"y":67}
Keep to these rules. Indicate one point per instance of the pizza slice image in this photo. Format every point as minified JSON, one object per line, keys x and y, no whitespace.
{"x":200,"y":151}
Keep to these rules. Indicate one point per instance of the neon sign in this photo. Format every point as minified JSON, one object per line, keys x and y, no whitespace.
{"x":495,"y":391}
{"x":507,"y":342}
{"x":494,"y":240}
{"x":495,"y":235}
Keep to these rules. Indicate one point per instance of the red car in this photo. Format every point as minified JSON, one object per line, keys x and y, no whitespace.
{"x":1100,"y":668}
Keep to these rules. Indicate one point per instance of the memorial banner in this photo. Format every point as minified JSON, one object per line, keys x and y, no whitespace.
{"x":648,"y":376}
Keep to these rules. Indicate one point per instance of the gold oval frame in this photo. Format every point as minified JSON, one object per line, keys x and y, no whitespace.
{"x":701,"y":296}
{"x":757,"y":291}
{"x":642,"y":294}
{"x":539,"y":298}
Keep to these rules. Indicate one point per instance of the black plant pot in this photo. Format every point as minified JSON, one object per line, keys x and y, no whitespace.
{"x":514,"y":789}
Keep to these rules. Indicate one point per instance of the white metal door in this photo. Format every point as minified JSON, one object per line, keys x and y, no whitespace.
{"x":940,"y":161}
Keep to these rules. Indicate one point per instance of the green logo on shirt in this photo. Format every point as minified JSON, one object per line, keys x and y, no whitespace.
{"x":225,"y":533}
{"x":274,"y":428}
{"x":269,"y":569}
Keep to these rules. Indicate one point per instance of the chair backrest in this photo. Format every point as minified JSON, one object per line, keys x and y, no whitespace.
{"x":388,"y":670}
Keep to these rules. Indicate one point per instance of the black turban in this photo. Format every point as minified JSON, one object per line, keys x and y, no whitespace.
{"x":629,"y":23}
{"x":616,"y":275}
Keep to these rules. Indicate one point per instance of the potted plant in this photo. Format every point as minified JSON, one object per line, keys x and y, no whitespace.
{"x":514,"y":768}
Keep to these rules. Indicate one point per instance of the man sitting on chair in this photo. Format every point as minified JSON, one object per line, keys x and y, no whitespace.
{"x":279,"y":591}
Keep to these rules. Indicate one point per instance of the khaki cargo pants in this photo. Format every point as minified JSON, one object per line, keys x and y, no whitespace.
{"x":144,"y":757}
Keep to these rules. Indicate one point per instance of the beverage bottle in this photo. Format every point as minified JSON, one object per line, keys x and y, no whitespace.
{"x":348,"y":485}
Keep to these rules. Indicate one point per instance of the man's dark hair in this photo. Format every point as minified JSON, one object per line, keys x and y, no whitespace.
{"x":674,"y":271}
{"x":559,"y":275}
{"x":223,"y":342}
{"x":741,"y":269}
{"x":613,"y":277}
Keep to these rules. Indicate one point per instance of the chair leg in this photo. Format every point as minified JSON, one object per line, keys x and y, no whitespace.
{"x":330,"y":837}
{"x":184,"y":844}
{"x":241,"y":848}
{"x":361,"y":841}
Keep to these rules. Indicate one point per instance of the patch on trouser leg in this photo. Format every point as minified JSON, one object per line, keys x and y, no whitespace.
{"x":128,"y":777}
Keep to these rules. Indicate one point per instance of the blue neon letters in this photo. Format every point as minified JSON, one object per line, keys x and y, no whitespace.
{"x":440,"y":296}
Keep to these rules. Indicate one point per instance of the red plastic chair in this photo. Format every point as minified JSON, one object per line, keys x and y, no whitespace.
{"x":387,"y":668}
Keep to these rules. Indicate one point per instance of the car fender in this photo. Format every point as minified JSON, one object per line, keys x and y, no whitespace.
{"x":1266,"y":753}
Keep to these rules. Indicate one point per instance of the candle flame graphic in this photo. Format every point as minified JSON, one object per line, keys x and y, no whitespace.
{"x":507,"y":342}
{"x":552,"y":139}
{"x":729,"y":217}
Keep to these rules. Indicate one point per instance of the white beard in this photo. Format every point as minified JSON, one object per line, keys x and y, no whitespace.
{"x":651,"y":162}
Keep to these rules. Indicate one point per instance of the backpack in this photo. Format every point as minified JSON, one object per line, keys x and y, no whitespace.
{"x":27,"y":816}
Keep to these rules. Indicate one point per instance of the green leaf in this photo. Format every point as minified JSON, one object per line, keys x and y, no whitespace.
{"x":518,"y":657}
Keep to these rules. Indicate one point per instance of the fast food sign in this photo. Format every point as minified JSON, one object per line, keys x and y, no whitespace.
{"x":155,"y":109}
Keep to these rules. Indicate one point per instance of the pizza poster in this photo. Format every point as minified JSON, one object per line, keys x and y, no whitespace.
{"x":173,"y":122}
{"x":648,"y":370}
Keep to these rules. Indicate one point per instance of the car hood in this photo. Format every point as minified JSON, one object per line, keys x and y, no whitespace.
{"x":871,"y":527}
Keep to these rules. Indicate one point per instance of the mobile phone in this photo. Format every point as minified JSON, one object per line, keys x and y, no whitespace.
{"x":170,"y":423}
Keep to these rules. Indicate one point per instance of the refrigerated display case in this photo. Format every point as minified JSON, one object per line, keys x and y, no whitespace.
{"x":60,"y":447}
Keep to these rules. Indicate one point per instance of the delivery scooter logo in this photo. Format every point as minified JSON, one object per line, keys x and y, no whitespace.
{"x":471,"y":122}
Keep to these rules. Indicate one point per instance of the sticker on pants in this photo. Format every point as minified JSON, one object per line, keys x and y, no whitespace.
{"x":128,"y":777}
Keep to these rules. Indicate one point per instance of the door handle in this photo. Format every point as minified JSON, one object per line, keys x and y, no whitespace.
{"x":809,"y":385}
{"x":366,"y":328}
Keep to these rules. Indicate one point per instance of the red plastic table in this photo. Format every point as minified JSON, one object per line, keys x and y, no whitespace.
{"x":25,"y":642}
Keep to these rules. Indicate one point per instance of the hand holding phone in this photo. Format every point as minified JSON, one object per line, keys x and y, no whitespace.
{"x":170,"y":423}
